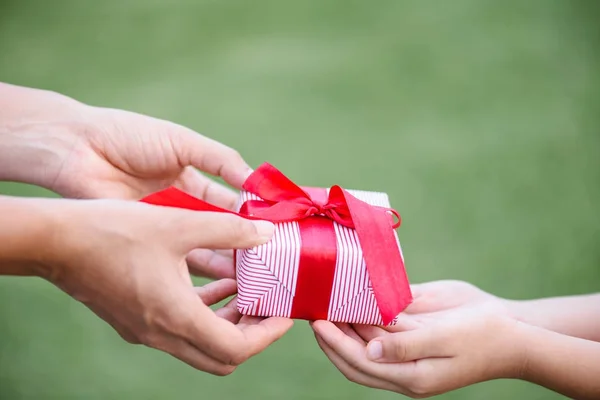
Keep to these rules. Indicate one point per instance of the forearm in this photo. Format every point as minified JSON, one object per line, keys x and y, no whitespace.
{"x":37,"y":131}
{"x":565,"y":364}
{"x":577,"y":316}
{"x":27,"y":229}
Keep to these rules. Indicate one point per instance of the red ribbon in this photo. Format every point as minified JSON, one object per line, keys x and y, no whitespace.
{"x":284,"y":201}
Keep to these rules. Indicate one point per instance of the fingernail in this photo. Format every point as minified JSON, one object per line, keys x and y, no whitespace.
{"x":265,"y":229}
{"x":374,"y":351}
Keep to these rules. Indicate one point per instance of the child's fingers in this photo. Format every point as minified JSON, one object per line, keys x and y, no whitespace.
{"x":339,"y":347}
{"x":351,"y":373}
{"x":349,"y":349}
{"x":350,"y":331}
{"x":369,"y":332}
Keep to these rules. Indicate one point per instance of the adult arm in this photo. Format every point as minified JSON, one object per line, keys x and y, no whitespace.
{"x":26,"y":229}
{"x":81,"y":151}
{"x":38,"y":129}
{"x":87,"y":152}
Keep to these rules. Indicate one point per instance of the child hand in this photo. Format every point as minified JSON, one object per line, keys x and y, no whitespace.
{"x":443,"y":295}
{"x":442,"y":352}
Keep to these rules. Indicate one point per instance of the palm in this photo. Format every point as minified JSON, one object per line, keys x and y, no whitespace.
{"x":100,"y":177}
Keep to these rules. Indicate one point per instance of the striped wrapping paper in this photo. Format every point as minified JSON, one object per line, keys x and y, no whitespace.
{"x":267,"y":275}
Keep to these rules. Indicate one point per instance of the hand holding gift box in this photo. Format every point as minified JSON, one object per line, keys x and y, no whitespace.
{"x":335,"y":254}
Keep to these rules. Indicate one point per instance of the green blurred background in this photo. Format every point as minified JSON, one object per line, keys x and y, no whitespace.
{"x":479,"y":118}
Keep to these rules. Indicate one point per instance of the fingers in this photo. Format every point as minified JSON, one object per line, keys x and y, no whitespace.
{"x":259,"y":333}
{"x":369,"y":332}
{"x":209,"y":156}
{"x":351,"y":373}
{"x":216,"y":291}
{"x":351,"y":350}
{"x":229,"y":311}
{"x":221,"y":231}
{"x":421,"y":302}
{"x":408,"y":346}
{"x":189,"y":354}
{"x":351,"y":332}
{"x":210,"y":264}
{"x":404,"y":322}
{"x":228,"y":343}
{"x":193,"y":182}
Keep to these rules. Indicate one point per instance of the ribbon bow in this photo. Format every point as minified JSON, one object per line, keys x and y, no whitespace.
{"x":284,"y":201}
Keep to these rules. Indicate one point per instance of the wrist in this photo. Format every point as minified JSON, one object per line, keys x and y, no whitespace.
{"x":27,"y":234}
{"x":38,"y":131}
{"x":523,"y":337}
{"x":509,"y":349}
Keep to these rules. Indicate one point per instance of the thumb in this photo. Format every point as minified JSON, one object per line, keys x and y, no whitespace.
{"x":405,"y":346}
{"x":213,"y":230}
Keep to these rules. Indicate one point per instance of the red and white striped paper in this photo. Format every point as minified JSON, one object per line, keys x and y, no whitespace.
{"x":267,"y":274}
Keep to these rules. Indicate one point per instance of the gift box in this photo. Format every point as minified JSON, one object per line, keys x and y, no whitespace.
{"x":335,"y":254}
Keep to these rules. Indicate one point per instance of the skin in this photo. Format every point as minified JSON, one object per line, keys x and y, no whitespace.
{"x":127,"y":261}
{"x":455,"y":335}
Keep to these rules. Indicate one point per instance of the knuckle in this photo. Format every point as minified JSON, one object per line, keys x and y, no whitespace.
{"x":233,"y":154}
{"x":151,"y":339}
{"x":349,"y":376}
{"x":400,"y":351}
{"x":232,"y":356}
{"x":129,"y":338}
{"x":224,"y":370}
{"x":421,"y":387}
{"x":241,"y":229}
{"x":353,"y":378}
{"x":238,"y":358}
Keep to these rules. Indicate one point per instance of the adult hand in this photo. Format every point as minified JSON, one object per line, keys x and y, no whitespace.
{"x":85,"y":152}
{"x":126,"y":262}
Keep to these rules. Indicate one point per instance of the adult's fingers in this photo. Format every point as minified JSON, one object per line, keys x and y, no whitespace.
{"x":351,"y":373}
{"x":210,"y":264}
{"x":192,"y":356}
{"x":229,"y":311}
{"x":209,"y":156}
{"x":228,"y":343}
{"x":216,"y":291}
{"x":193,"y":182}
{"x":259,"y":333}
{"x":211,"y":230}
{"x":409,"y":346}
